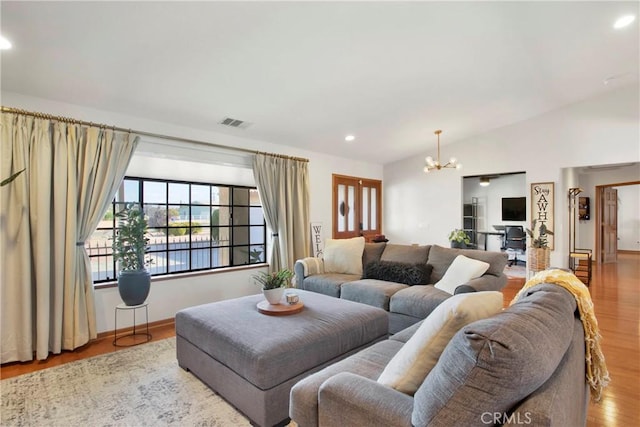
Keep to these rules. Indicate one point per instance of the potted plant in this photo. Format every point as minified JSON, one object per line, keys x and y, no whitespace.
{"x":539,"y":252}
{"x":459,"y":238}
{"x":273,"y":284}
{"x":130,"y":246}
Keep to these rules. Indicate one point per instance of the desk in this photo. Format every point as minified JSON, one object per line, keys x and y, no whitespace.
{"x":490,"y":233}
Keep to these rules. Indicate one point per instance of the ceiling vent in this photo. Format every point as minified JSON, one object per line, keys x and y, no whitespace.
{"x":235,"y":123}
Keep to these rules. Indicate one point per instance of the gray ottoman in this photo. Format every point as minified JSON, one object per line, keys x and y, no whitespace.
{"x":253,"y":359}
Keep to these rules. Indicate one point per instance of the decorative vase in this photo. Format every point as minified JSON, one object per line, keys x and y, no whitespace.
{"x":538,"y":259}
{"x":458,"y":245}
{"x":134,"y":286}
{"x":274,"y":296}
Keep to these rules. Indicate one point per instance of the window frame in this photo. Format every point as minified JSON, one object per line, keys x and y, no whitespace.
{"x":239,"y":234}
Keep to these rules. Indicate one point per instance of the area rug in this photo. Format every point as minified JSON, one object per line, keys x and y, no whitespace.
{"x":140,"y":386}
{"x":515,"y":271}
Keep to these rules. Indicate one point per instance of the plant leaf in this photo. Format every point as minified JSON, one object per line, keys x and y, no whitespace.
{"x":11,"y":178}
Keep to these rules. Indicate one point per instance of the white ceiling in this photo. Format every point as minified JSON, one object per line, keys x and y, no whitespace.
{"x":305,"y":74}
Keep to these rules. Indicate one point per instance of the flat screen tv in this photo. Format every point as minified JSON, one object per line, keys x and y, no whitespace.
{"x":514,"y":208}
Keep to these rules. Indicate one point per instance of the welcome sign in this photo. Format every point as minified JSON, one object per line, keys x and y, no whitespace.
{"x":542,"y":208}
{"x":317,"y":239}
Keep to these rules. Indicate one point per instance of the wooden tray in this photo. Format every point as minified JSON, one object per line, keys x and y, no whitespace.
{"x":279,"y":309}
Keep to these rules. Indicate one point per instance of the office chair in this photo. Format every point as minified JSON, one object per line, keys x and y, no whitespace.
{"x":515,"y":239}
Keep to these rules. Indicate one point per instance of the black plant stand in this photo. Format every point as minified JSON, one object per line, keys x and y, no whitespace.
{"x":133,"y":334}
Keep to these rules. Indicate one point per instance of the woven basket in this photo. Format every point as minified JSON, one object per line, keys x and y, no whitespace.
{"x":538,"y":259}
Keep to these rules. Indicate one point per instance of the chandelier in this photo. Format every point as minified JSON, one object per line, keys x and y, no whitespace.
{"x":431,"y":164}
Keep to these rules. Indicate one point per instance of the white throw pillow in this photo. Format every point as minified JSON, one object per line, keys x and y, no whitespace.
{"x":407,"y":370}
{"x":461,"y":270}
{"x":343,"y":255}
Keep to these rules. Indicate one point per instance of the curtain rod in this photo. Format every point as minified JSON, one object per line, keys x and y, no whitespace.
{"x":143,"y":133}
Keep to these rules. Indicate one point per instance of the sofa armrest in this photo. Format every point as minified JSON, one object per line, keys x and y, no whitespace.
{"x":464,"y":289}
{"x":307,"y":267}
{"x":488,"y":282}
{"x":349,"y":399}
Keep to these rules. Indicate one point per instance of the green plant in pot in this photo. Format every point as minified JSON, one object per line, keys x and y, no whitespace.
{"x":539,"y":253}
{"x":541,"y":241}
{"x":273,"y":284}
{"x":130,"y":246}
{"x":459,"y":238}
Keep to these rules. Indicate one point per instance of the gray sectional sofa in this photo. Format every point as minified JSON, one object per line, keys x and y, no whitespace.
{"x":406,"y":304}
{"x":522,"y":366}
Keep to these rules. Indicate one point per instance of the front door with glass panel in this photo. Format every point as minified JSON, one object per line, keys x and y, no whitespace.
{"x":356,"y":207}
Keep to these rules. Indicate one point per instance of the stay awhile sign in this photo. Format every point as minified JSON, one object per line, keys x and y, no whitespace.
{"x":542,"y":208}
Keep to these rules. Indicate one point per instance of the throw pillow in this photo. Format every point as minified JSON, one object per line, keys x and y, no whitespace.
{"x":343,"y":256}
{"x":407,"y":370}
{"x":461,"y":270}
{"x":399,"y":272}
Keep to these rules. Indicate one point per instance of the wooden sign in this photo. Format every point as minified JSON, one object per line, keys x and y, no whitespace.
{"x":542,"y":208}
{"x":317,"y":239}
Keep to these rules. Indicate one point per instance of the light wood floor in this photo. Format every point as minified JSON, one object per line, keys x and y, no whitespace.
{"x":95,"y":348}
{"x":615,"y":290}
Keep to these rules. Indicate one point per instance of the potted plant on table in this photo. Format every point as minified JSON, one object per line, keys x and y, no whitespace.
{"x":459,"y":238}
{"x":539,"y":252}
{"x":130,"y":246}
{"x":274,"y":284}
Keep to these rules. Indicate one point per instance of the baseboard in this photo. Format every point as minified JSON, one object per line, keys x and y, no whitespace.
{"x":628,"y":251}
{"x":157,"y":324}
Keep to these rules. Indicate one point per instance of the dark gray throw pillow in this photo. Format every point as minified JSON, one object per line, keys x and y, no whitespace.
{"x":399,"y":272}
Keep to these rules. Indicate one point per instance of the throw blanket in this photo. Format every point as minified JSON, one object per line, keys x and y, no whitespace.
{"x":312,"y":266}
{"x":597,"y":373}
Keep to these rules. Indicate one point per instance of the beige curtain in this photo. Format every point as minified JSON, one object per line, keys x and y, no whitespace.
{"x":283,"y":185}
{"x":72,"y":173}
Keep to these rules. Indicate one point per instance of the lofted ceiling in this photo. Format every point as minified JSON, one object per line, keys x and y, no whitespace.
{"x":306,"y":74}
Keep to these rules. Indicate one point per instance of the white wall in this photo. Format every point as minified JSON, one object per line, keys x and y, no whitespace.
{"x":602,"y":130}
{"x":629,"y":218}
{"x":156,"y":159}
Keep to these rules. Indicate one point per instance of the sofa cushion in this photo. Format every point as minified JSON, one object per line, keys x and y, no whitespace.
{"x":461,"y":270}
{"x":413,"y":254}
{"x":417,"y":301}
{"x":399,"y":272}
{"x":405,"y":334}
{"x":492,"y":364}
{"x":328,"y":284}
{"x":368,"y":363}
{"x":409,"y":367}
{"x":371,"y":292}
{"x":441,"y":258}
{"x":372,"y":252}
{"x":343,"y":256}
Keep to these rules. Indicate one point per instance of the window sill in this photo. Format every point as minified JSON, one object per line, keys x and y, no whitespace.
{"x":114,"y":283}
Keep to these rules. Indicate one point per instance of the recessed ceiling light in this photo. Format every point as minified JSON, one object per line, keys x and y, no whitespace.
{"x":4,"y":43}
{"x":349,"y":138}
{"x":624,"y":21}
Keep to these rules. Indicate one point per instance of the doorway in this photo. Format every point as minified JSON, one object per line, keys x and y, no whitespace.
{"x":483,"y":207}
{"x":357,"y":207}
{"x":606,"y":221}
